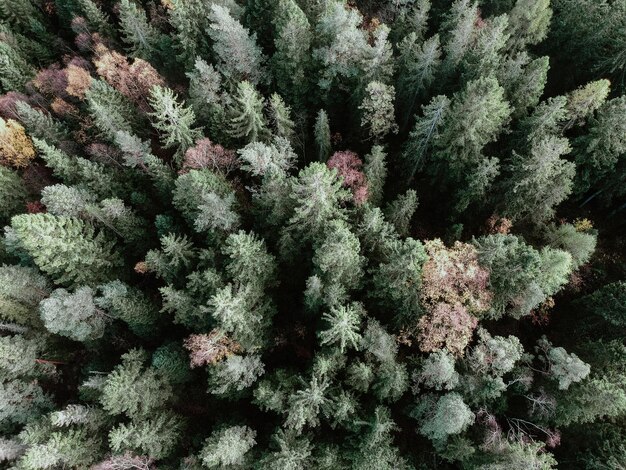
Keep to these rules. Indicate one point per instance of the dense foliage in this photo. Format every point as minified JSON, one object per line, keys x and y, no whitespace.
{"x":312,"y":234}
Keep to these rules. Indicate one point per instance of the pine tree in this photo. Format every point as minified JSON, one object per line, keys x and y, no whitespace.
{"x":74,"y":315}
{"x":375,"y":169}
{"x":109,"y":109}
{"x":280,"y":117}
{"x":584,"y":101}
{"x":260,"y":159}
{"x":537,"y":184}
{"x":21,"y":290}
{"x":206,"y":98}
{"x":142,"y":38}
{"x":460,"y":27}
{"x":424,"y":134}
{"x":240,"y":58}
{"x":418,"y":65}
{"x":608,"y":302}
{"x":96,"y":18}
{"x":13,"y":194}
{"x":228,"y":446}
{"x":247,"y":121}
{"x":67,"y":249}
{"x":318,"y":195}
{"x":291,"y":61}
{"x":598,"y":152}
{"x":344,"y":325}
{"x":155,"y":437}
{"x":129,"y":305}
{"x":322,"y":136}
{"x":578,"y":243}
{"x":137,"y":154}
{"x":477,"y":114}
{"x":378,"y":112}
{"x":401,"y":210}
{"x":190,"y":20}
{"x":174,"y":120}
{"x":234,"y":374}
{"x":40,"y":125}
{"x":133,"y":389}
{"x":15,"y":70}
{"x":529,"y":21}
{"x":484,"y":56}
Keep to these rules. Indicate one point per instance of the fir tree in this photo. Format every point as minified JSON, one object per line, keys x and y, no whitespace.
{"x":67,"y":249}
{"x":74,"y":315}
{"x":377,"y":107}
{"x":322,"y":136}
{"x":240,"y":58}
{"x":537,"y":184}
{"x":174,"y":120}
{"x":247,"y":121}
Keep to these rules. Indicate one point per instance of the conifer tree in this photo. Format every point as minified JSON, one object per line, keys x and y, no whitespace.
{"x":318,"y":195}
{"x":280,"y":117}
{"x":424,"y":133}
{"x":401,"y":210}
{"x":142,"y":39}
{"x":322,"y":136}
{"x":74,"y":315}
{"x":228,"y":446}
{"x":528,"y":22}
{"x":174,"y":120}
{"x":584,"y":101}
{"x":537,"y":184}
{"x":13,"y":194}
{"x":375,"y":169}
{"x":240,"y":58}
{"x":247,"y":121}
{"x":291,"y":61}
{"x":378,"y":113}
{"x":418,"y":65}
{"x":67,"y":249}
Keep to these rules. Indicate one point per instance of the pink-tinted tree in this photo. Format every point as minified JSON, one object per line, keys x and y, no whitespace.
{"x":348,"y":165}
{"x":447,"y":326}
{"x":206,"y":154}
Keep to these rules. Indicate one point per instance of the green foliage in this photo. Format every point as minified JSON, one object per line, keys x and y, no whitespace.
{"x":74,"y":315}
{"x":228,"y":447}
{"x":200,"y":271}
{"x":172,"y":119}
{"x":13,"y":194}
{"x":240,"y":58}
{"x":247,"y":121}
{"x":322,"y":136}
{"x":67,"y":249}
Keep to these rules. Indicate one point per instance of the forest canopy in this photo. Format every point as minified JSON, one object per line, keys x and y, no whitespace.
{"x":312,"y":234}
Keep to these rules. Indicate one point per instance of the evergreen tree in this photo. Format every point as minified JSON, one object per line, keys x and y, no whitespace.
{"x":228,"y":447}
{"x":280,"y":117}
{"x":240,"y":58}
{"x":291,"y":61}
{"x":377,"y":107}
{"x":67,"y":249}
{"x":418,"y":65}
{"x":173,"y":120}
{"x":74,"y":315}
{"x":322,"y":136}
{"x":142,"y":38}
{"x":537,"y":184}
{"x":375,"y":169}
{"x":13,"y":194}
{"x":247,"y":121}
